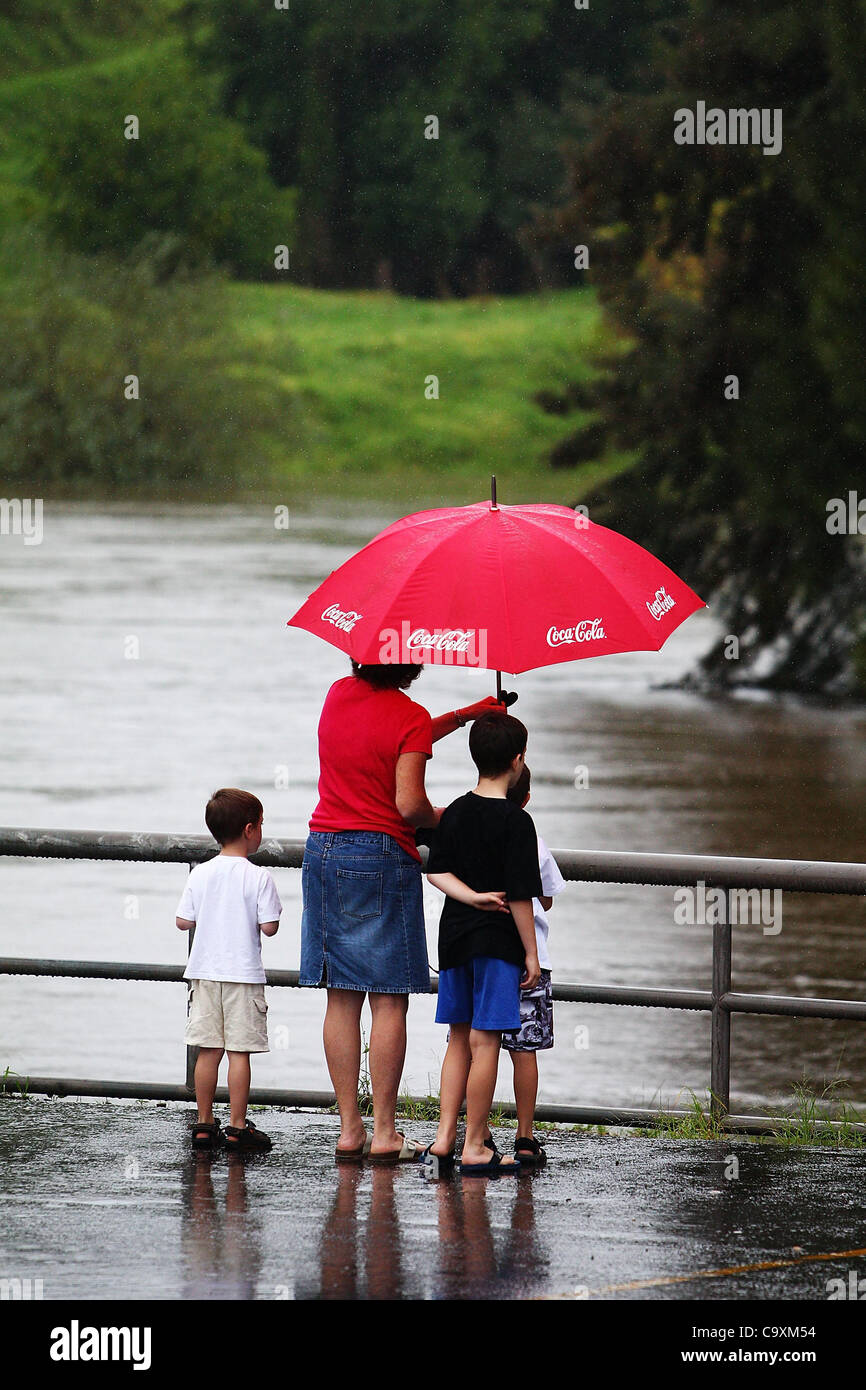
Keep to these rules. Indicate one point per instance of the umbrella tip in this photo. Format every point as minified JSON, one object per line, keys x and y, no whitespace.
{"x":493,"y":506}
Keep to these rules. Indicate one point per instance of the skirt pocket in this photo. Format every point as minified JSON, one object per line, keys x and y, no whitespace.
{"x":359,"y":893}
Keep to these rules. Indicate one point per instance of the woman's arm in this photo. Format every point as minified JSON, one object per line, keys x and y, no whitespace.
{"x":446,"y":723}
{"x":412,"y":801}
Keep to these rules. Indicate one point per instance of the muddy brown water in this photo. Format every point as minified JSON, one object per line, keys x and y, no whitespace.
{"x":147,"y":661}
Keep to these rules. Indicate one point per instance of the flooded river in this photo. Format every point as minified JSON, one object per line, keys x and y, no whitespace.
{"x":146,"y":661}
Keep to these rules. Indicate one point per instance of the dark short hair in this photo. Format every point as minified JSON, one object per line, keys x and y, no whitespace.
{"x":494,"y":742}
{"x":391,"y":676}
{"x":229,"y":812}
{"x":519,"y":792}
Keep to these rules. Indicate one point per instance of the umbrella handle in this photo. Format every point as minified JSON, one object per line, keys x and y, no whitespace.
{"x":499,"y":685}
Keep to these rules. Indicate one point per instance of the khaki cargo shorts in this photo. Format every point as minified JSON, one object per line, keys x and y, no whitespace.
{"x":229,"y":1015}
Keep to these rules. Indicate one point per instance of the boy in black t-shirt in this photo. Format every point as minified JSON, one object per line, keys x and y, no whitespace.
{"x":487,"y":943}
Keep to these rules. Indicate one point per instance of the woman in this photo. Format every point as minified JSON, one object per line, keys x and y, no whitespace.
{"x":362,"y":930}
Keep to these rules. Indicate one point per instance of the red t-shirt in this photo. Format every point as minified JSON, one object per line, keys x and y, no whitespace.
{"x":362,"y":732}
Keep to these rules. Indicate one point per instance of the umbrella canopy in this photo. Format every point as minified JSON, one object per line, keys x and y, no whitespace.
{"x":505,"y":588}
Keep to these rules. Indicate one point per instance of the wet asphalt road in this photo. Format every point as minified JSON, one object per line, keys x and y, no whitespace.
{"x":107,"y":1201}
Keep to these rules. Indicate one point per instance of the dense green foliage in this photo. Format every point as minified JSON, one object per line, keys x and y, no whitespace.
{"x":721,"y":260}
{"x":190,"y":172}
{"x":75,"y":330}
{"x":339,"y":96}
{"x":38,"y":35}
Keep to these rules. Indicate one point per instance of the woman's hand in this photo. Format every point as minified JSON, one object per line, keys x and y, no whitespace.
{"x":489,"y":705}
{"x":490,"y":902}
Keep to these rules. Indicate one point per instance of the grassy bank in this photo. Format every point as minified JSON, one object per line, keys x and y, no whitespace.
{"x":355,"y":368}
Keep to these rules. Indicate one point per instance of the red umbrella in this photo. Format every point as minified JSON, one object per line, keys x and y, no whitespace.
{"x":505,"y":588}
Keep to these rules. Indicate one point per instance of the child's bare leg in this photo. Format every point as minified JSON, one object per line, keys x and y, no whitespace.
{"x":207,"y":1065}
{"x":525,"y":1091}
{"x":239,"y":1087}
{"x":480,"y":1086}
{"x":452,"y":1088}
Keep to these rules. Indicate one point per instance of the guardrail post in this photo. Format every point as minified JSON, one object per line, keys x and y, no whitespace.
{"x":720,"y":1033}
{"x":191,"y":1052}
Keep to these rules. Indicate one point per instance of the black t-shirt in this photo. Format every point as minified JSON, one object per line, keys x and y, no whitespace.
{"x":489,"y":843}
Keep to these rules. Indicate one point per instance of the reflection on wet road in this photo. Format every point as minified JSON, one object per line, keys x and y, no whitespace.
{"x":609,"y":1217}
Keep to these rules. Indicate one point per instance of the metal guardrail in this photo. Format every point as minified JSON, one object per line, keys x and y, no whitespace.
{"x":800,"y":876}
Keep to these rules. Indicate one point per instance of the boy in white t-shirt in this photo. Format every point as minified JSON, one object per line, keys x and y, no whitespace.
{"x":536,"y":1005}
{"x":229,"y":902}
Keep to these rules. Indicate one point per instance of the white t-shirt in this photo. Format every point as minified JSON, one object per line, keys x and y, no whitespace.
{"x":552,"y":882}
{"x":228,"y":897}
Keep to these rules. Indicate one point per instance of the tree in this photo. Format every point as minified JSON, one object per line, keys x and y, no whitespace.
{"x":338,"y":98}
{"x":717,"y":261}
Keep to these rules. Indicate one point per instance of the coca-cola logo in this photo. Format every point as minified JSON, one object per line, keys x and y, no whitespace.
{"x":661,"y":604}
{"x":588,"y":630}
{"x":448,"y":640}
{"x":343,"y":618}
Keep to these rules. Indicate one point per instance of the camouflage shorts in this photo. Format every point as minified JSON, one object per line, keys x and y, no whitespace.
{"x":536,"y":1019}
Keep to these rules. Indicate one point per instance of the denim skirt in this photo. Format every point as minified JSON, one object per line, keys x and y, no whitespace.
{"x":363,"y":919}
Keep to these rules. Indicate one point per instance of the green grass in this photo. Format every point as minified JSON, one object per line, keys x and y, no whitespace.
{"x":12,"y":1078}
{"x":355,"y":365}
{"x":699,"y":1122}
{"x":812,"y":1118}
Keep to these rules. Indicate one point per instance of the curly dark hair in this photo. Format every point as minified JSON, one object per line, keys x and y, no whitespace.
{"x":387,"y":677}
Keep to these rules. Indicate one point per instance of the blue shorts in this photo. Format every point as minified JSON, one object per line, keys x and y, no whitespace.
{"x":484,"y":992}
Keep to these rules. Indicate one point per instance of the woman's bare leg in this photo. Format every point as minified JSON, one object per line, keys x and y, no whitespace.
{"x":341,"y":1035}
{"x":387,"y":1055}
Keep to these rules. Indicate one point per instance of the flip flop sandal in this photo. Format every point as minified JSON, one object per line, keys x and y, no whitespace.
{"x":410,"y":1152}
{"x":440,"y":1163}
{"x":494,"y":1166}
{"x":354,"y":1155}
{"x":246,"y":1140}
{"x":205,"y":1136}
{"x":529,"y":1151}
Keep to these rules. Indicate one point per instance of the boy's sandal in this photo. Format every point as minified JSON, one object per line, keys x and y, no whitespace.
{"x":495,"y":1165}
{"x":354,"y":1155}
{"x":490,"y":1143}
{"x":246,"y":1140}
{"x":442,"y":1163}
{"x":205,"y":1135}
{"x":528,"y":1150}
{"x":410,"y":1151}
